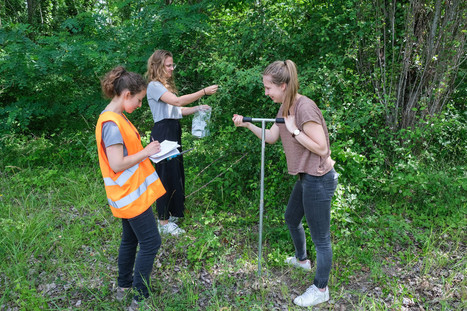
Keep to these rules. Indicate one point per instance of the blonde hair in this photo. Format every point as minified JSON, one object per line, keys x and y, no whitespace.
{"x":156,"y":70}
{"x":284,"y":72}
{"x":119,"y":79}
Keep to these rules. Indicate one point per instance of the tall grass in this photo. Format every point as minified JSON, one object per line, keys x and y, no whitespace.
{"x":59,"y":245}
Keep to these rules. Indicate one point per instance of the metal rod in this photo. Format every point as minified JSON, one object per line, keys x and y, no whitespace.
{"x":261,"y":199}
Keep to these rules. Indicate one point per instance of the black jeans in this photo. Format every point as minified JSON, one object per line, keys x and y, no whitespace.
{"x":141,"y":230}
{"x":171,"y":173}
{"x":311,"y":197}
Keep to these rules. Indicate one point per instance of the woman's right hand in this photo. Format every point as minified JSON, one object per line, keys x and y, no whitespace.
{"x":203,"y":107}
{"x":152,"y":148}
{"x":238,"y":121}
{"x":211,"y":89}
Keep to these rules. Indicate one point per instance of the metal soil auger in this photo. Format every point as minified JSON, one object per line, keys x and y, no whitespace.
{"x":261,"y":200}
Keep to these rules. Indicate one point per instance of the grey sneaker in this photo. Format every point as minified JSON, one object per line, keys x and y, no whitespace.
{"x":311,"y":297}
{"x":174,"y":219}
{"x":170,"y":228}
{"x":292,"y":261}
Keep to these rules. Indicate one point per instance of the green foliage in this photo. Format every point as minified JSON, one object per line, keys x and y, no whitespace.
{"x":48,"y":70}
{"x":57,"y":230}
{"x":400,"y":192}
{"x":53,"y":88}
{"x":205,"y":247}
{"x":29,"y":151}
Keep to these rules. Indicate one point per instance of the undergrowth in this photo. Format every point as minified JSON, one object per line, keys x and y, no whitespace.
{"x":59,"y":241}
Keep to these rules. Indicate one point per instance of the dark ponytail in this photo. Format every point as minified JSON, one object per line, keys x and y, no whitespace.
{"x":118,"y":79}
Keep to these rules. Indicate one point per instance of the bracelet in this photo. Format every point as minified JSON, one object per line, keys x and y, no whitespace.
{"x":204,"y":91}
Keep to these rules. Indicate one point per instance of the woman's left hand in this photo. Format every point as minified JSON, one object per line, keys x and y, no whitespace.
{"x":211,"y":89}
{"x":238,"y":121}
{"x":290,"y":123}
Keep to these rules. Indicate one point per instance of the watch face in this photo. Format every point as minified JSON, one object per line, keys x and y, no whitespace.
{"x":295,"y":133}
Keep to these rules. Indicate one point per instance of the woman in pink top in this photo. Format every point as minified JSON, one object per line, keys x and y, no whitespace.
{"x":306,"y":145}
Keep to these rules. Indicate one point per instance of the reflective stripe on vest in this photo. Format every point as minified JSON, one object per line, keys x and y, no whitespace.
{"x":135,"y":194}
{"x":122,"y":179}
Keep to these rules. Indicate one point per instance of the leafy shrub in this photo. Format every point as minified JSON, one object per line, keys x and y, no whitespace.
{"x":23,"y":151}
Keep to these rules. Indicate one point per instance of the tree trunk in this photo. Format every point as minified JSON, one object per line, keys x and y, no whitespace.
{"x":31,"y":4}
{"x":415,"y":65}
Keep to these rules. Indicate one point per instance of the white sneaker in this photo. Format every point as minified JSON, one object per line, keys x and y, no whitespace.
{"x":170,"y":228}
{"x":294,"y":262}
{"x":311,"y":297}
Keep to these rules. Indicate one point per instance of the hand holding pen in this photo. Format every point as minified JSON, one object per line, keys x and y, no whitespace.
{"x":153,"y":147}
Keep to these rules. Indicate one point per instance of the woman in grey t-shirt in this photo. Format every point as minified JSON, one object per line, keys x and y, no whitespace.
{"x":306,"y":145}
{"x":167,"y":109}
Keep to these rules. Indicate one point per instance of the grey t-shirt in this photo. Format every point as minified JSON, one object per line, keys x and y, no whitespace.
{"x":161,"y":110}
{"x":111,"y":136}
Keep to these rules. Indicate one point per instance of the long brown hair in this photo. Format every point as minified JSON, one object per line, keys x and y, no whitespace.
{"x":156,"y":70}
{"x":284,"y":72}
{"x":119,"y":79}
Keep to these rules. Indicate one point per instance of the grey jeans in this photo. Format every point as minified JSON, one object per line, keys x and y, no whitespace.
{"x":311,"y":197}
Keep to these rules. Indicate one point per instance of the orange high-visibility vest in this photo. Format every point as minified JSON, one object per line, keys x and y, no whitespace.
{"x":132,"y":191}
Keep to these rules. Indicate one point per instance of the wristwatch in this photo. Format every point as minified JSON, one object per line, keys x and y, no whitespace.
{"x":296,"y":132}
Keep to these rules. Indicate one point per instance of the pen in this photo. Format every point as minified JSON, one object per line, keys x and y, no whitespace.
{"x":178,"y":154}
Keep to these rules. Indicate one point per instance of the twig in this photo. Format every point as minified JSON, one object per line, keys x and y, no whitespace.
{"x":201,"y":172}
{"x":220,"y":174}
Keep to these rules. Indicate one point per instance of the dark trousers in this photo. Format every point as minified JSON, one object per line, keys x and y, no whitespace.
{"x":141,"y":230}
{"x":171,"y":173}
{"x":311,"y":197}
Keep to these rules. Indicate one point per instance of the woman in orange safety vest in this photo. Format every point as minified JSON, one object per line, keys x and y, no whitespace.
{"x":131,"y":182}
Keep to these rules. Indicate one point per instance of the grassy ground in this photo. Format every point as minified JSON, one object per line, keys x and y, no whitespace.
{"x":59,"y":243}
